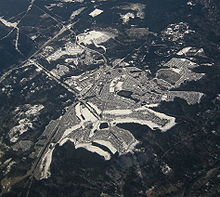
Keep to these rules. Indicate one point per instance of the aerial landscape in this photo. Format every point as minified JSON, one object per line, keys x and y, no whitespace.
{"x":110,"y":98}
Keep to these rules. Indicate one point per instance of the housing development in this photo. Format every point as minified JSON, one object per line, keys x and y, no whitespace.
{"x":109,"y":98}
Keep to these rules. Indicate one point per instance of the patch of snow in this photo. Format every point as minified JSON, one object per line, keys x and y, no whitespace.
{"x":166,"y":169}
{"x":190,"y":3}
{"x":118,"y":112}
{"x":34,"y":37}
{"x":76,"y":12}
{"x":60,"y":71}
{"x":95,"y":12}
{"x":88,"y":115}
{"x":126,"y":17}
{"x":22,"y":127}
{"x":91,"y":148}
{"x":171,"y":120}
{"x":98,"y":111}
{"x":45,"y":164}
{"x":137,"y":8}
{"x":107,"y":144}
{"x":176,"y":70}
{"x":148,"y":123}
{"x":208,"y":64}
{"x":9,"y":164}
{"x":94,"y":36}
{"x":118,"y":86}
{"x":70,"y":49}
{"x":67,"y":132}
{"x":152,"y":105}
{"x":34,"y":110}
{"x":184,"y":51}
{"x":24,"y":119}
{"x":7,"y":23}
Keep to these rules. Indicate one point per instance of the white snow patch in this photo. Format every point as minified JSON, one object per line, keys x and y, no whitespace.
{"x":94,"y":36}
{"x":45,"y":164}
{"x":22,"y":127}
{"x":70,"y":49}
{"x":126,"y":17}
{"x":166,"y":169}
{"x":88,"y":115}
{"x":184,"y":51}
{"x":95,"y":12}
{"x":91,"y":148}
{"x":76,"y":12}
{"x":118,"y":86}
{"x":98,"y":111}
{"x":176,"y":70}
{"x":34,"y":110}
{"x":148,"y":123}
{"x":208,"y":64}
{"x":118,"y":112}
{"x":60,"y":71}
{"x":107,"y":144}
{"x":164,"y":116}
{"x":7,"y":23}
{"x":24,"y":123}
{"x":9,"y":166}
{"x":152,"y":105}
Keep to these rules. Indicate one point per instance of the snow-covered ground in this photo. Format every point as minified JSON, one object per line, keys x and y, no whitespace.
{"x":24,"y":120}
{"x":8,"y":23}
{"x":94,"y":149}
{"x":94,"y":36}
{"x":95,"y":12}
